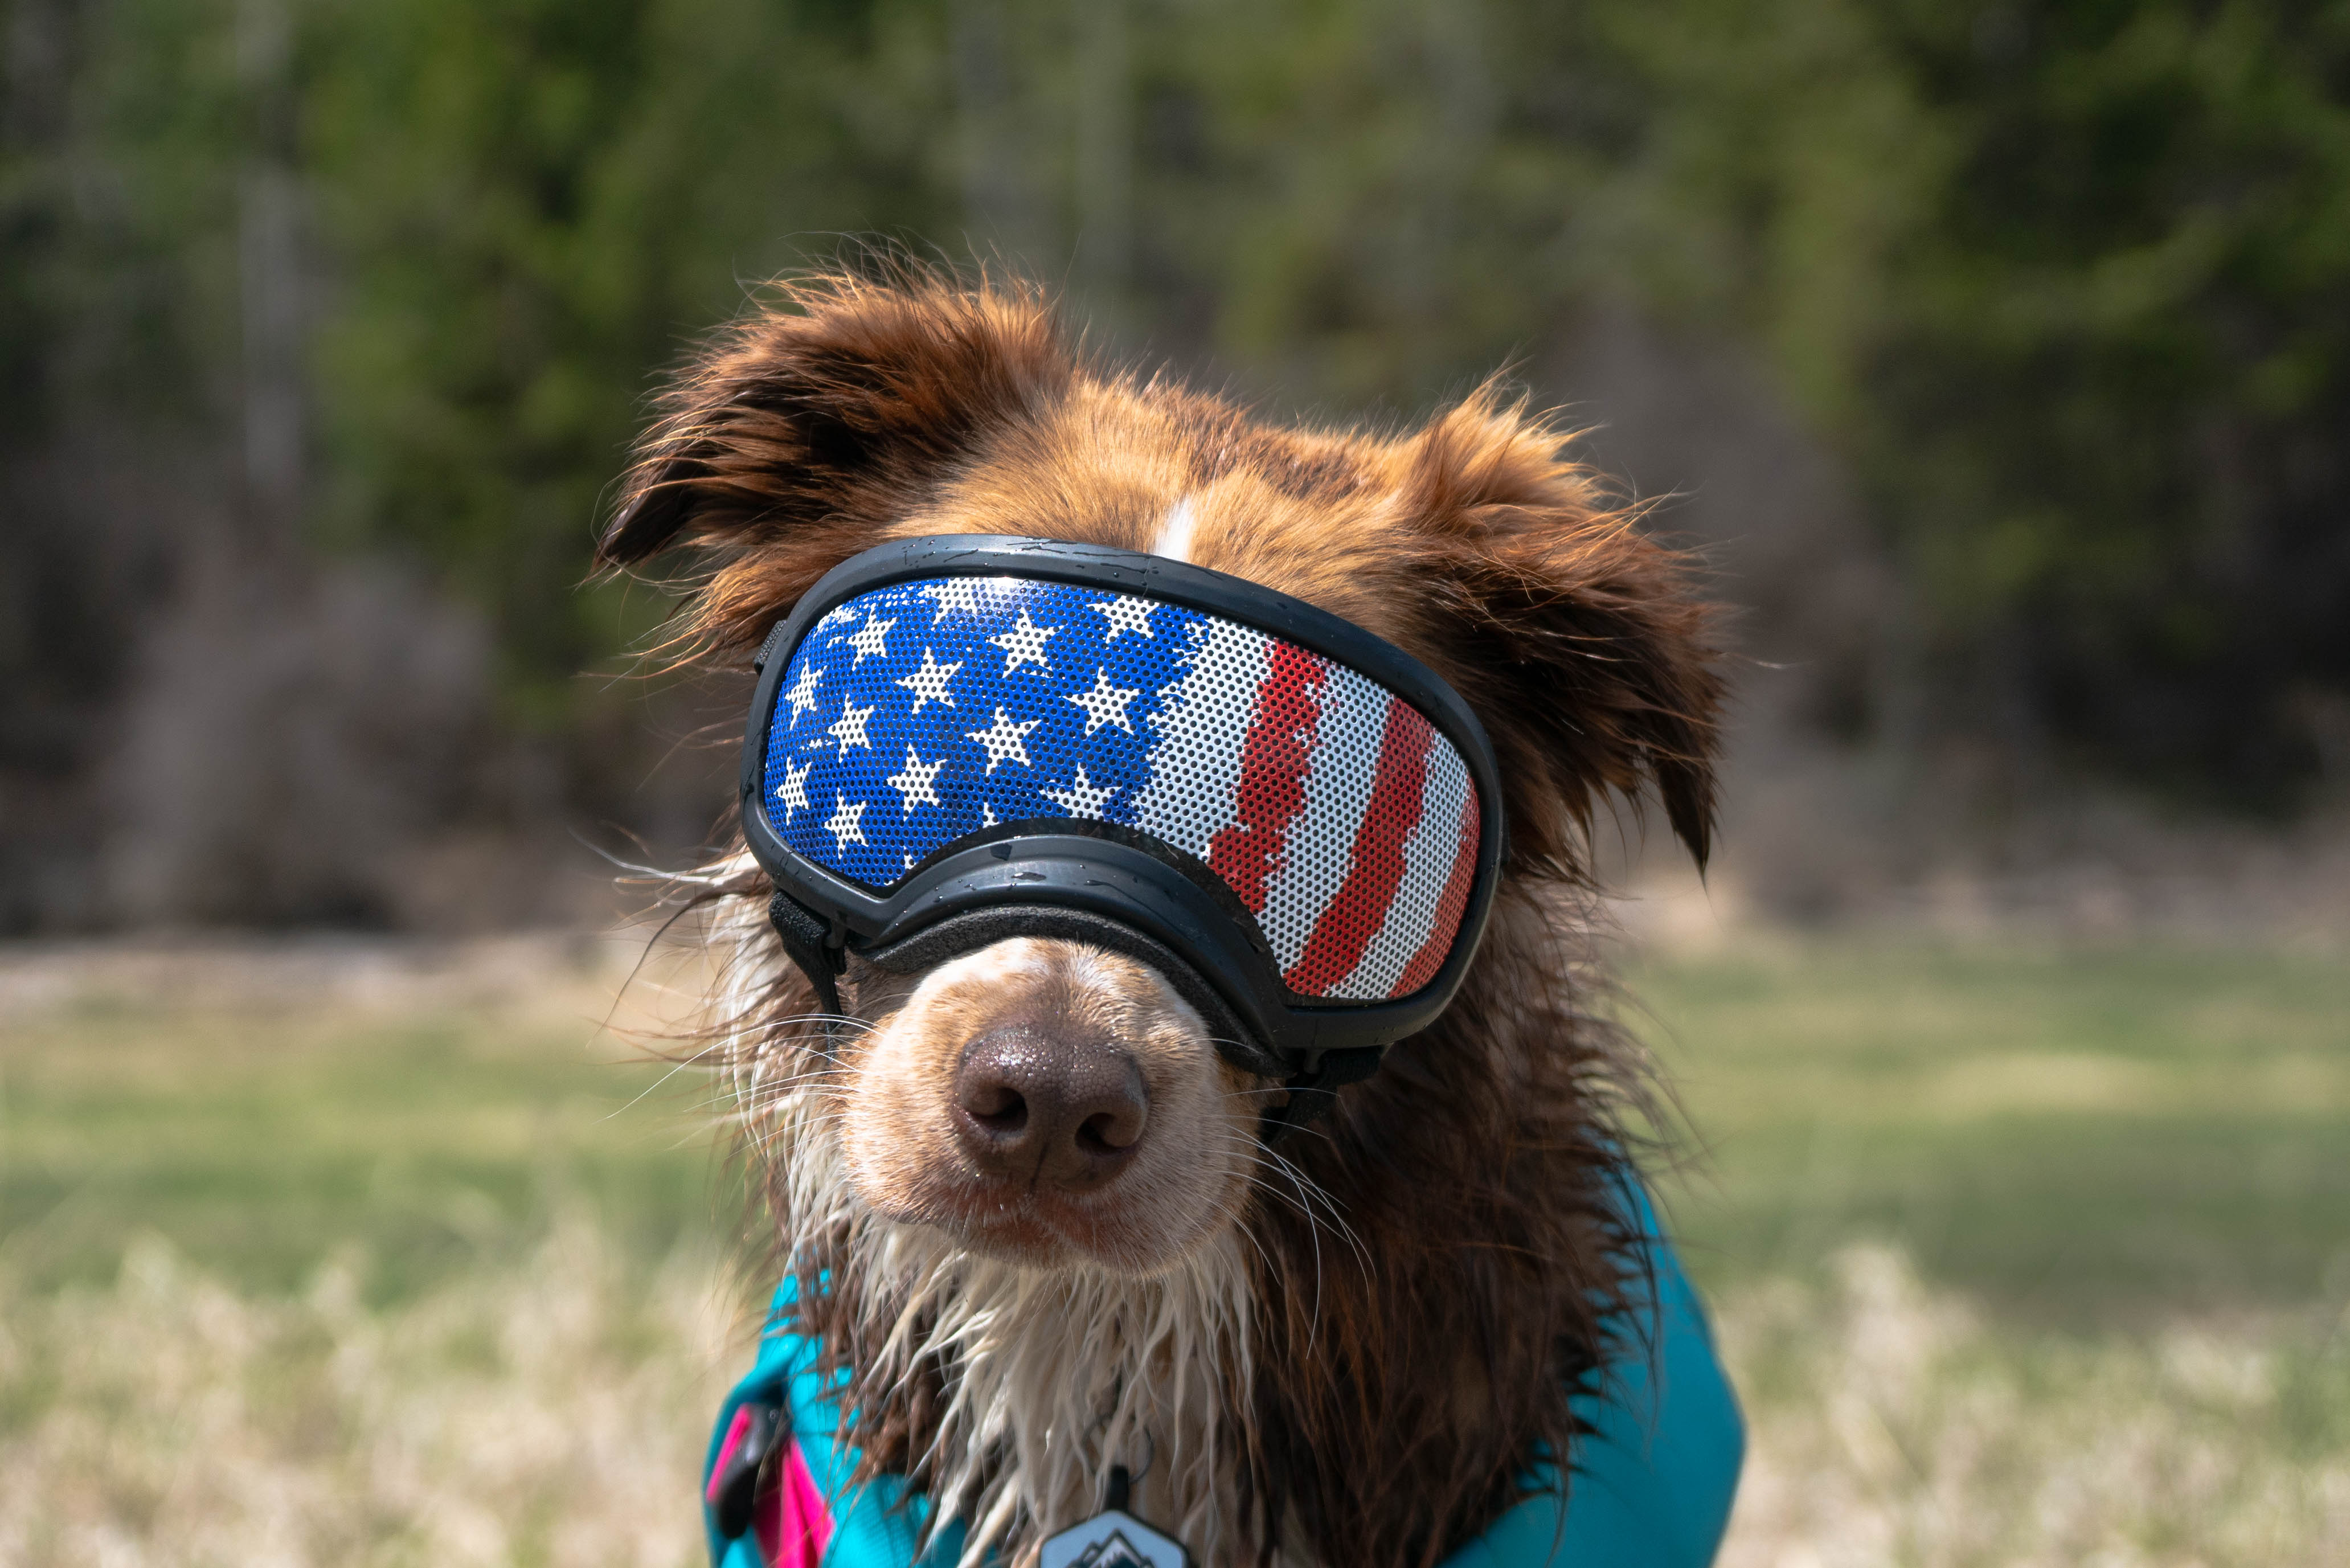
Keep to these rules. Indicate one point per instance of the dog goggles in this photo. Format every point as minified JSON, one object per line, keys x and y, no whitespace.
{"x":959,"y":739}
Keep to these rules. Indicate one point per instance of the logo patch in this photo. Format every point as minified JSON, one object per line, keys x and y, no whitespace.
{"x":1112,"y":1539}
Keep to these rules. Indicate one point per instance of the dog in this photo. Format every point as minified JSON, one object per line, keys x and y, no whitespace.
{"x":1023,"y":1197}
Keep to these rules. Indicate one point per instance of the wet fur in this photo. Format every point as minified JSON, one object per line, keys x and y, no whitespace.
{"x":1361,"y":1366}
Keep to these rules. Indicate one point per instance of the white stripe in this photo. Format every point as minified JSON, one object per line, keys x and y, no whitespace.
{"x":1174,"y":540}
{"x":1340,"y":775}
{"x":1203,"y":724}
{"x":1428,"y":856}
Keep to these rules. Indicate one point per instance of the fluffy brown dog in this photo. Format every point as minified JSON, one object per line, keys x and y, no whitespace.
{"x":1347,"y":1351}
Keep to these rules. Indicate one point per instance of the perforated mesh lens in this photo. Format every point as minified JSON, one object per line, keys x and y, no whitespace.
{"x":912,"y":716}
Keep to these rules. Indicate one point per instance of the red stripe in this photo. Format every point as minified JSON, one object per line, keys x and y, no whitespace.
{"x":1446,"y":923}
{"x":1375,"y":869}
{"x":1272,"y":790}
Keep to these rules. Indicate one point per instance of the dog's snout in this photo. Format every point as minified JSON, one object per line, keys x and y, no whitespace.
{"x":1050,"y":1104}
{"x":1032,"y":1101}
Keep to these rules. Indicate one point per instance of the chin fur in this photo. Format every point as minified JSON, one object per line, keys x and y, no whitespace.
{"x":1003,"y":1389}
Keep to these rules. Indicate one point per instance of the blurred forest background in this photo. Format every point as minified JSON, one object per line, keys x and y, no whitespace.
{"x":1996,"y":353}
{"x":1999,"y":354}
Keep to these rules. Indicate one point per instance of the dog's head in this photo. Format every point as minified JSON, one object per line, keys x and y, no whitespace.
{"x":1040,"y":1100}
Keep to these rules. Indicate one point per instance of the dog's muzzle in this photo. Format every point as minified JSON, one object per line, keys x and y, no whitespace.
{"x":961,"y":739}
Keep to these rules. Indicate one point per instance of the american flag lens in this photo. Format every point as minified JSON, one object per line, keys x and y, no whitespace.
{"x":912,"y":716}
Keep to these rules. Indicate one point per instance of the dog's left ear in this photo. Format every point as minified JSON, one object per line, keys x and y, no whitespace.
{"x":1583,"y":643}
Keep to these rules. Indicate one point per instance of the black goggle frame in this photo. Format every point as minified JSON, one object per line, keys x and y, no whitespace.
{"x":1105,"y":884}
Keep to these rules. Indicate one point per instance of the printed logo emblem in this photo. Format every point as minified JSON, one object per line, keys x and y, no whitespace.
{"x":1112,"y":1540}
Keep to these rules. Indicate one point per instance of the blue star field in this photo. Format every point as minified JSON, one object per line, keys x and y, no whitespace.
{"x":915,"y":714}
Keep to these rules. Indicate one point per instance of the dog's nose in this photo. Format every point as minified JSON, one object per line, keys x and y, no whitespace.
{"x":1031,"y":1101}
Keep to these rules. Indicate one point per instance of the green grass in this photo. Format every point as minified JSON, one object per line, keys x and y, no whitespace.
{"x":2078,"y":1136}
{"x":258,"y":1137}
{"x":2074,"y":1136}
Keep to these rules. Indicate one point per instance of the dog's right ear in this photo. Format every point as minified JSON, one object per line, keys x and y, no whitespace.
{"x":1585,"y":645}
{"x":815,"y":420}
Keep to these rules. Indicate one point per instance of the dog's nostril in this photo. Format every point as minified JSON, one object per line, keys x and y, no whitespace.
{"x":1000,"y":1072}
{"x":1111,"y":1132}
{"x":1000,"y":1111}
{"x":999,"y":1107}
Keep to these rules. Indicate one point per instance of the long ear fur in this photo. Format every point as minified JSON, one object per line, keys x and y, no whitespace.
{"x":822,"y":415}
{"x":1582,"y":640}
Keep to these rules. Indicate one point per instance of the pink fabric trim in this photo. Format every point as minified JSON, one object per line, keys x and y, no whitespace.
{"x":726,"y":1451}
{"x":791,"y":1519}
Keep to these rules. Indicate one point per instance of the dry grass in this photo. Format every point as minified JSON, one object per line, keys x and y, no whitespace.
{"x":1890,"y":1426}
{"x":553,"y":1413}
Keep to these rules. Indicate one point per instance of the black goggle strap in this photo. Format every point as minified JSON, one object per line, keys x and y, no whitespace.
{"x":820,"y":950}
{"x":1313,"y":1092}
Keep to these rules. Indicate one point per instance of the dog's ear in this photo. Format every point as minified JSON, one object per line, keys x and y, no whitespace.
{"x":818,"y":419}
{"x":1583,"y":643}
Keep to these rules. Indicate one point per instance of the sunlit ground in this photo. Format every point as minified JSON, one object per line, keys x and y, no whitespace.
{"x":352,"y":1256}
{"x":2024,"y":1254}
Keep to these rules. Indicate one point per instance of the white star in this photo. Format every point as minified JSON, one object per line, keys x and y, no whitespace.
{"x":929,"y":684}
{"x":803,"y":693}
{"x":986,"y":815}
{"x":849,"y":728}
{"x":1025,"y":644}
{"x":843,"y":826}
{"x":1083,"y":798}
{"x":793,"y":791}
{"x":836,"y":616}
{"x":913,"y":783}
{"x":954,"y":594}
{"x":868,"y":638}
{"x":1004,"y":740}
{"x":1106,"y":705}
{"x":1127,"y":613}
